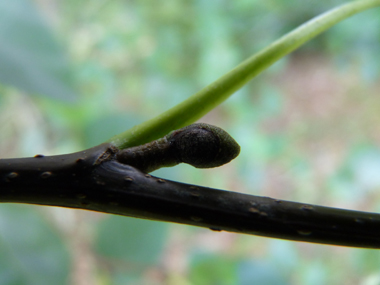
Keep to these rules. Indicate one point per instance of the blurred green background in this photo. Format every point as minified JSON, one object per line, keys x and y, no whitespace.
{"x":74,"y":73}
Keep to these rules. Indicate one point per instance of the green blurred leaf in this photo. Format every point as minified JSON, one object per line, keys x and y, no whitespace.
{"x":316,"y":272}
{"x":131,"y":240}
{"x":31,"y":59}
{"x":366,"y":261}
{"x":30,"y":252}
{"x":260,"y":272}
{"x":213,"y":269}
{"x":99,"y":129}
{"x":358,"y":175}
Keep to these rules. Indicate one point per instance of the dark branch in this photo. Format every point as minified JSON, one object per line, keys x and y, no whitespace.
{"x":95,"y":180}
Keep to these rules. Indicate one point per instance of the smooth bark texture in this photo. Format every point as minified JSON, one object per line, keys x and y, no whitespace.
{"x":95,"y":180}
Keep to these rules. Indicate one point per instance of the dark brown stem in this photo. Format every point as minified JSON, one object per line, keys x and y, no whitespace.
{"x":95,"y":180}
{"x":200,"y":145}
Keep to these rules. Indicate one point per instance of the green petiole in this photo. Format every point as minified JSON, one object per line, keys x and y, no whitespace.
{"x":214,"y":94}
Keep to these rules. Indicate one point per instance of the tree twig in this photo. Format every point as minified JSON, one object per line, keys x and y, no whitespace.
{"x":95,"y":180}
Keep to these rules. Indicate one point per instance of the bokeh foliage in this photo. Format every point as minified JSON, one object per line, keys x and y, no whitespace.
{"x":308,"y":128}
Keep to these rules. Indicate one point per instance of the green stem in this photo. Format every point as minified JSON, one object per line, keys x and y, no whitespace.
{"x":214,"y":94}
